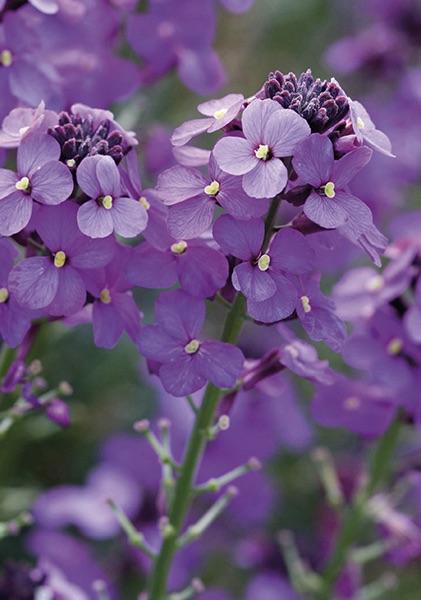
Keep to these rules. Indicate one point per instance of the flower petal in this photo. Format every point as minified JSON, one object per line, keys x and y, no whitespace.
{"x":180,"y":378}
{"x":52,"y":183}
{"x":180,"y":183}
{"x":180,"y":315}
{"x":255,"y":284}
{"x":345,"y":169}
{"x":242,"y":239}
{"x":277,"y":307}
{"x":108,"y":176}
{"x":188,"y":130}
{"x":235,"y":155}
{"x":156,"y":344}
{"x":255,"y":118}
{"x":15,"y":213}
{"x":129,"y":217}
{"x":202,"y":271}
{"x":313,"y":160}
{"x":289,"y":251}
{"x":35,"y":150}
{"x":324,"y":211}
{"x":267,"y":179}
{"x":152,"y":268}
{"x":107,"y":325}
{"x":283,"y":131}
{"x":220,"y":363}
{"x":8,"y":181}
{"x":71,"y":293}
{"x":191,"y":218}
{"x":94,"y":220}
{"x":34,"y":282}
{"x":87,"y":178}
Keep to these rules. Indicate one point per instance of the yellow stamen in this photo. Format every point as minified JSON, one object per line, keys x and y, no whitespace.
{"x":23,"y":130}
{"x":374,"y":283}
{"x":70,"y":163}
{"x":60,"y":259}
{"x":394,"y":346}
{"x":352,"y":403}
{"x":4,"y":295}
{"x":192,"y":347}
{"x":213,"y":188}
{"x":144,"y":202}
{"x":6,"y":58}
{"x":178,"y":247}
{"x":329,"y":189}
{"x":23,"y":184}
{"x":262,"y":152}
{"x":105,"y":296}
{"x":107,"y":202}
{"x":264,"y":262}
{"x":360,"y":123}
{"x":305,"y":301}
{"x":219,"y":114}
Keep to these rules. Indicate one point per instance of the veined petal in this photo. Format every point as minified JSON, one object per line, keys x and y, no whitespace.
{"x":71,"y":293}
{"x":220,"y":363}
{"x":235,"y":155}
{"x":255,"y":117}
{"x":34,"y":282}
{"x":129,"y":217}
{"x":180,"y":315}
{"x":94,"y":220}
{"x":267,"y":179}
{"x":180,"y":183}
{"x":289,"y":251}
{"x":242,"y":239}
{"x":8,"y":181}
{"x":190,"y":129}
{"x":35,"y":150}
{"x":255,"y":284}
{"x":87,"y":178}
{"x":15,"y":213}
{"x":180,"y":378}
{"x":156,"y":344}
{"x":52,"y":183}
{"x":191,"y":218}
{"x":324,"y":211}
{"x":283,"y":131}
{"x":152,"y":268}
{"x":313,"y":160}
{"x":345,"y":169}
{"x":108,"y":176}
{"x":277,"y":307}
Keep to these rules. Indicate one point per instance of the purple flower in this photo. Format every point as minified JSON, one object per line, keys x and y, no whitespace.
{"x":40,"y":178}
{"x":55,"y":282}
{"x":365,"y":130}
{"x":270,"y":133}
{"x":200,"y":269}
{"x":108,"y":210}
{"x":412,"y":318}
{"x":269,"y":586}
{"x":186,"y":362}
{"x":192,"y":198}
{"x":114,"y":309}
{"x":14,"y":320}
{"x":330,"y":204}
{"x":21,"y":121}
{"x":264,"y":277}
{"x":218,"y":114}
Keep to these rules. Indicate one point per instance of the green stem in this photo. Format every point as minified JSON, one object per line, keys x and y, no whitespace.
{"x":183,"y":490}
{"x":355,"y":514}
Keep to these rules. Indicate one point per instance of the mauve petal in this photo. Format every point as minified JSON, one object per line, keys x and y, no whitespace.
{"x":129,"y":313}
{"x":185,"y":132}
{"x":191,"y":218}
{"x":107,"y":325}
{"x":283,"y":131}
{"x":94,"y":220}
{"x":87,"y":178}
{"x":242,"y":239}
{"x":255,"y":118}
{"x":8,"y":181}
{"x":34,"y":151}
{"x":52,"y":183}
{"x":255,"y":284}
{"x":180,"y":315}
{"x":14,"y":323}
{"x":180,"y":183}
{"x":289,"y":251}
{"x":15,"y":213}
{"x":220,"y":363}
{"x":201,"y":71}
{"x":210,"y":107}
{"x":57,"y":226}
{"x":380,"y":142}
{"x":313,"y":160}
{"x":361,"y":351}
{"x":157,"y":345}
{"x":71,"y":293}
{"x":323,"y":326}
{"x":233,"y":198}
{"x":412,"y":323}
{"x":345,"y":169}
{"x":278,"y":307}
{"x":129,"y":217}
{"x":108,"y":176}
{"x":92,"y":254}
{"x":34,"y":282}
{"x":202,"y":271}
{"x":180,"y":378}
{"x":324,"y":211}
{"x":152,"y":268}
{"x":189,"y":156}
{"x":235,"y":155}
{"x":267,"y":179}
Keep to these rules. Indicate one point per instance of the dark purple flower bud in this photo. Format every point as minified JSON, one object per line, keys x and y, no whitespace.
{"x":58,"y":412}
{"x":13,"y":376}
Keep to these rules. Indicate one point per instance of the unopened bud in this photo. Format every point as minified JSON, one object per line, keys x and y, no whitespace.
{"x":254,"y":464}
{"x":142,"y":426}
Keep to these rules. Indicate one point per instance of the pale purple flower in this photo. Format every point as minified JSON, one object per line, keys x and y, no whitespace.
{"x":22,"y":121}
{"x":114,"y":309}
{"x":200,"y":269}
{"x":192,"y":198}
{"x":218,"y":114}
{"x":365,"y":130}
{"x":412,"y":318}
{"x":264,"y":277}
{"x":186,"y":361}
{"x":40,"y":178}
{"x":107,"y":210}
{"x":55,"y":282}
{"x":270,"y":133}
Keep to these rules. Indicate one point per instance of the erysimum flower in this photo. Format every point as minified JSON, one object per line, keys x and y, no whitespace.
{"x":108,"y":210}
{"x":187,"y":362}
{"x":40,"y":178}
{"x":55,"y":282}
{"x":366,"y":131}
{"x":264,"y":277}
{"x":192,"y":198}
{"x":270,"y":133}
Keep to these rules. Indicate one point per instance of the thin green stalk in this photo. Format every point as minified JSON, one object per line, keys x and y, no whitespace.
{"x":354,"y":516}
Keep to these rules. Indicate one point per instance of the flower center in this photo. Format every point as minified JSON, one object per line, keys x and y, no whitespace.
{"x":192,"y":347}
{"x":352,"y":403}
{"x":394,"y":346}
{"x":360,"y":123}
{"x":305,"y":301}
{"x":264,"y":262}
{"x":6,"y":58}
{"x":4,"y":295}
{"x":262,"y":152}
{"x":219,"y":114}
{"x":374,"y":283}
{"x":329,"y":189}
{"x":71,"y":163}
{"x":178,"y":247}
{"x":105,"y":296}
{"x":144,"y":203}
{"x":213,"y":188}
{"x":60,"y":259}
{"x":107,"y":202}
{"x":23,"y":184}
